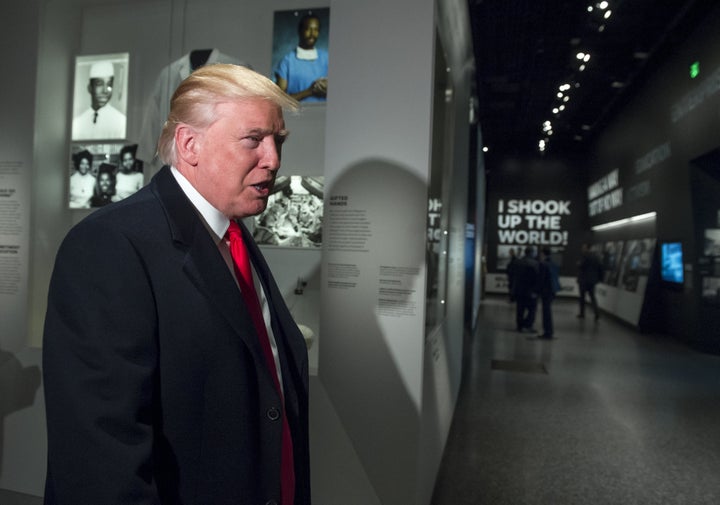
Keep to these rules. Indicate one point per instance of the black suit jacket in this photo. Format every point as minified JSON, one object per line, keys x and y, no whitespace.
{"x":156,"y":386}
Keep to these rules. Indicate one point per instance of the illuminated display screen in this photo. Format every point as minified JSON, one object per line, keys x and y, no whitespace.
{"x":671,"y":258}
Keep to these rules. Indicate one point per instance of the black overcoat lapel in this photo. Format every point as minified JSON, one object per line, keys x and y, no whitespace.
{"x":204,"y":264}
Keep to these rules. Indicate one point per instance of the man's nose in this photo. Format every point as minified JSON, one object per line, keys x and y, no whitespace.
{"x":271,"y":154}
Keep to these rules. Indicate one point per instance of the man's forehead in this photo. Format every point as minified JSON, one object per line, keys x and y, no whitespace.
{"x":253,"y":113}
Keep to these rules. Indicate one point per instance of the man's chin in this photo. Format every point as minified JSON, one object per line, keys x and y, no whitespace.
{"x":250,"y":211}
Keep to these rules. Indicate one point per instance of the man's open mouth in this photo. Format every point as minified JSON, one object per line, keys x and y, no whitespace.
{"x":263,"y":187}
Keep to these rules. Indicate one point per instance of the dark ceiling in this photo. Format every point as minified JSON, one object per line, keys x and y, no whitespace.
{"x":525,"y":49}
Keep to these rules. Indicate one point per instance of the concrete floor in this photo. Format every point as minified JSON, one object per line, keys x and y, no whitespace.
{"x":13,"y":498}
{"x":618,"y":417}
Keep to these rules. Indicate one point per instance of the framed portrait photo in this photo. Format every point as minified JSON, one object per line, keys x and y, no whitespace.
{"x":300,"y":53}
{"x":100,"y":97}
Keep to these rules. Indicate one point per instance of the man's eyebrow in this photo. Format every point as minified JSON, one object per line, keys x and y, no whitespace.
{"x":263,"y":131}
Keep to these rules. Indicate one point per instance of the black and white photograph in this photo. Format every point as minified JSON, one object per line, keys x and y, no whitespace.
{"x":711,"y":290}
{"x":100,"y":97}
{"x":300,"y":53}
{"x":611,"y":261}
{"x":294,"y":213}
{"x":102,"y":173}
{"x":636,"y":262}
{"x":712,"y":242}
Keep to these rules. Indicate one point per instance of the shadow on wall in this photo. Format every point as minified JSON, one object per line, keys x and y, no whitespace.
{"x":373,"y":328}
{"x":18,"y":386}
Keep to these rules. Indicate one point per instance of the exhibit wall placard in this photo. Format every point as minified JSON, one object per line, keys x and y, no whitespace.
{"x":22,"y":422}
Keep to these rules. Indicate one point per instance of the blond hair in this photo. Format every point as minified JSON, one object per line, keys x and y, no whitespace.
{"x":194,"y":101}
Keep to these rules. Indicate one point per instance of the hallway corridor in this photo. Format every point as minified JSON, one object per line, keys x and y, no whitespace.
{"x":600,"y":415}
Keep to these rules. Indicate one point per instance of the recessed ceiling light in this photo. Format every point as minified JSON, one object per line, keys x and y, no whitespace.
{"x":617,"y":85}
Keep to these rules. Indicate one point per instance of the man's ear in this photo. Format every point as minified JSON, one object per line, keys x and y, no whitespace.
{"x":187,"y":144}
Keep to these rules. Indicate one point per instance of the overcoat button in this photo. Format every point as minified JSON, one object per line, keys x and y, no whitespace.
{"x":273,"y":414}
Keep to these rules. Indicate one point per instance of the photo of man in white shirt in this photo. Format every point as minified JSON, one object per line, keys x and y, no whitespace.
{"x":101,"y":120}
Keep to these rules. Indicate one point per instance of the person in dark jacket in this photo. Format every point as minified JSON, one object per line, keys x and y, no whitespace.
{"x":526,"y":290}
{"x":589,"y":274}
{"x":511,"y":266}
{"x":549,"y":286}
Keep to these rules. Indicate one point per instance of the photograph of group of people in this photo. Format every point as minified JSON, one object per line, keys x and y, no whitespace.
{"x":103,"y":173}
{"x":294,"y":213}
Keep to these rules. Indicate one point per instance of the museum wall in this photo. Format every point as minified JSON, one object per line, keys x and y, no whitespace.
{"x":391,"y":379}
{"x":22,"y":425}
{"x":661,"y":142}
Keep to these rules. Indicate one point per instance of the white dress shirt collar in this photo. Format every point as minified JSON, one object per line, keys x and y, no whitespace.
{"x":215,"y":220}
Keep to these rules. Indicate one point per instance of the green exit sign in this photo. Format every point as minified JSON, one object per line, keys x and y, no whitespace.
{"x":695,"y":69}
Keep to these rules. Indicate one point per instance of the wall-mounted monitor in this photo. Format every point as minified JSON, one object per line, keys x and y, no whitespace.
{"x":671,"y":262}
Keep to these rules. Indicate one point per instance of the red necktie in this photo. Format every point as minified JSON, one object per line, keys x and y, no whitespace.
{"x":243,"y":272}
